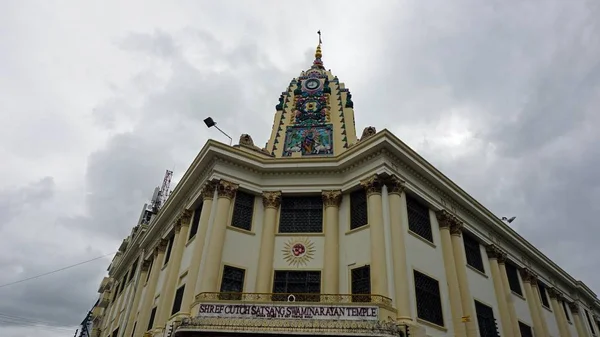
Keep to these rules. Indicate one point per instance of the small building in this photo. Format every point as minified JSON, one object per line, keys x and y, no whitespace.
{"x":322,"y":232}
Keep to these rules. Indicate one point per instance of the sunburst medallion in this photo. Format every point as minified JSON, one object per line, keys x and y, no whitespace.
{"x":298,"y":251}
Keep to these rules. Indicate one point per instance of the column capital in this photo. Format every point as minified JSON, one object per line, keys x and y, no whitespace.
{"x":227,"y":189}
{"x":528,"y":276}
{"x":332,"y":198}
{"x":395,"y":185}
{"x":208,"y":190}
{"x":574,"y":308}
{"x":146,"y":265}
{"x":184,"y":217}
{"x":162,"y":245}
{"x":372,"y":185}
{"x":552,"y":292}
{"x":447,"y":220}
{"x":271,"y":199}
{"x":494,"y":252}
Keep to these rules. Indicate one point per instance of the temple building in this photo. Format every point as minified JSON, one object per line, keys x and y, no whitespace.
{"x":325,"y":233}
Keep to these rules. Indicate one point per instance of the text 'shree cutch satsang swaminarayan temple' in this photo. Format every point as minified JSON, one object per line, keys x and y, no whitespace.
{"x":324,"y":233}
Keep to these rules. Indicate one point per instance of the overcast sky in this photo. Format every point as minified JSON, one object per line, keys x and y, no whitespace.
{"x":97,"y":99}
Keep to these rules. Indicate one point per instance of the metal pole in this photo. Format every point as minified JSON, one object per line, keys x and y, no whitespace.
{"x":226,"y":135}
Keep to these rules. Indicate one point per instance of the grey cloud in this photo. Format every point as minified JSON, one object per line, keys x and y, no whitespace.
{"x":16,"y":200}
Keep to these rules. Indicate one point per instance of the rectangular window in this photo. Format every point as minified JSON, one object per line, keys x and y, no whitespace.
{"x":361,"y":284}
{"x":513,"y":279}
{"x":418,"y":218}
{"x":543,"y":294}
{"x":301,"y":214}
{"x":429,"y":302}
{"x":587,"y":315}
{"x":150,"y":269}
{"x":232,"y":283}
{"x":151,"y":321}
{"x":297,"y":283}
{"x":178,"y":298}
{"x":564,"y":305}
{"x":243,"y":209}
{"x":168,"y":252}
{"x":195,"y":221}
{"x":473,"y":252}
{"x":485,"y":320}
{"x":358,"y":209}
{"x":133,"y":269}
{"x":525,"y":330}
{"x":122,"y":286}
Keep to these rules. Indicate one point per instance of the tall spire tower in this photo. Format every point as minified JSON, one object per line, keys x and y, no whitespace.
{"x":314,"y":117}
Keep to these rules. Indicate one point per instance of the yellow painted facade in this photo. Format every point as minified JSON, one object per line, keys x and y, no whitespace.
{"x":323,"y":232}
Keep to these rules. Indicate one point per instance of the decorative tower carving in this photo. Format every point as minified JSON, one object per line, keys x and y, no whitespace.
{"x":314,"y":117}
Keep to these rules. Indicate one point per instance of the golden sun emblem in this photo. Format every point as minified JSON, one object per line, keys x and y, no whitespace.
{"x":298,"y":251}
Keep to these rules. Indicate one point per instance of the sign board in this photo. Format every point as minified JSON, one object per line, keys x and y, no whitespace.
{"x":288,"y":311}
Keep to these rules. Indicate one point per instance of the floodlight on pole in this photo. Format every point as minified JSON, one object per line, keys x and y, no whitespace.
{"x":210,"y":123}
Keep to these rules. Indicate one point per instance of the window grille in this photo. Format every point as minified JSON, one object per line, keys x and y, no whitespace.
{"x":361,"y":283}
{"x":525,"y":330}
{"x":486,"y":321}
{"x":473,"y":252}
{"x":513,"y":279}
{"x":418,"y":219}
{"x":429,"y":303}
{"x":243,"y":210}
{"x":232,"y":283}
{"x":564,"y":305}
{"x":358,"y":209}
{"x":543,"y":294}
{"x":301,"y":214}
{"x":177,"y":302}
{"x":299,"y":283}
{"x":195,"y":221}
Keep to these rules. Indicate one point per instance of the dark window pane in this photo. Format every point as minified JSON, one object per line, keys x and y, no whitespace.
{"x":178,"y":299}
{"x":232,"y":283}
{"x":543,"y":294}
{"x":564,"y":305}
{"x":513,"y":279}
{"x":168,"y":252}
{"x":525,"y":330}
{"x":358,"y":209}
{"x":151,"y":321}
{"x":429,"y":303}
{"x":418,"y":219}
{"x":298,"y":283}
{"x":486,"y":321}
{"x":133,"y":269}
{"x":243,"y":210}
{"x":361,"y":283}
{"x":301,"y":214}
{"x":473,"y":252}
{"x":587,"y":315}
{"x":195,"y":221}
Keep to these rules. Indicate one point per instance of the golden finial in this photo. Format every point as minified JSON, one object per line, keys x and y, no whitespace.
{"x":318,"y":53}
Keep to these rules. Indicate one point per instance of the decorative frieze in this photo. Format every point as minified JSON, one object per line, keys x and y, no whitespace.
{"x":372,"y":185}
{"x":332,"y":198}
{"x":271,"y":199}
{"x":226,"y":189}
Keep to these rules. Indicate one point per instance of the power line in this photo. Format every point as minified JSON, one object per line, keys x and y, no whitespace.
{"x":5,"y":316}
{"x":55,"y":271}
{"x":34,"y":325}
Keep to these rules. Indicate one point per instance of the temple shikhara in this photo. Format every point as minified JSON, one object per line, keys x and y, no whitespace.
{"x":322,"y":232}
